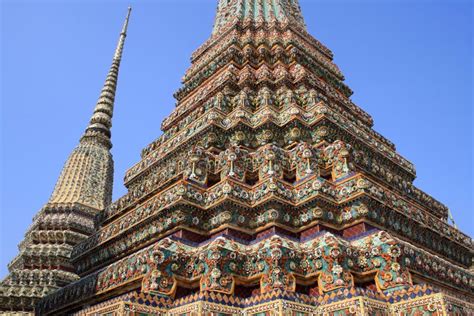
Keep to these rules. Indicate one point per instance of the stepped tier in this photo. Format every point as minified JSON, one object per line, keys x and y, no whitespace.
{"x":285,"y":128}
{"x":43,"y":264}
{"x":318,"y":265}
{"x":457,"y":275}
{"x":243,"y":185}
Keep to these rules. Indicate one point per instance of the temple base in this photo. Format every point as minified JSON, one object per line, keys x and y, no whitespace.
{"x":418,"y":300}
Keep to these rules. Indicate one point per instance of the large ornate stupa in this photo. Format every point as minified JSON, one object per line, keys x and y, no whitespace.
{"x":268,"y":193}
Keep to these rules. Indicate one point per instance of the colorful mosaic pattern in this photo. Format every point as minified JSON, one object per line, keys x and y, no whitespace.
{"x":268,"y":193}
{"x":269,"y":178}
{"x":274,"y":263}
{"x":281,"y":303}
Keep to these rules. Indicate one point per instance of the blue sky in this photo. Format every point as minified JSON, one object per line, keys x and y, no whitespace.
{"x":409,"y":63}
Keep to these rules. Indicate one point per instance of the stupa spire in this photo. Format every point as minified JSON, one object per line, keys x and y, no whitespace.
{"x":87,"y":177}
{"x":83,"y":189}
{"x":101,"y":121}
{"x":230,"y":12}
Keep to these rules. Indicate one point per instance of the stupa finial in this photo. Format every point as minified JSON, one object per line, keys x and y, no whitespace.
{"x":101,"y":121}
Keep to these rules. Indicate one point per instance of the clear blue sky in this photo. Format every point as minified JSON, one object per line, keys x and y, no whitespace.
{"x":409,"y":63}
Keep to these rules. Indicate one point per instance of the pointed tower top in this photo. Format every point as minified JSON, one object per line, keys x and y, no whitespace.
{"x":100,"y":124}
{"x":83,"y":189}
{"x":230,"y":12}
{"x":87,"y":176}
{"x":123,"y":34}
